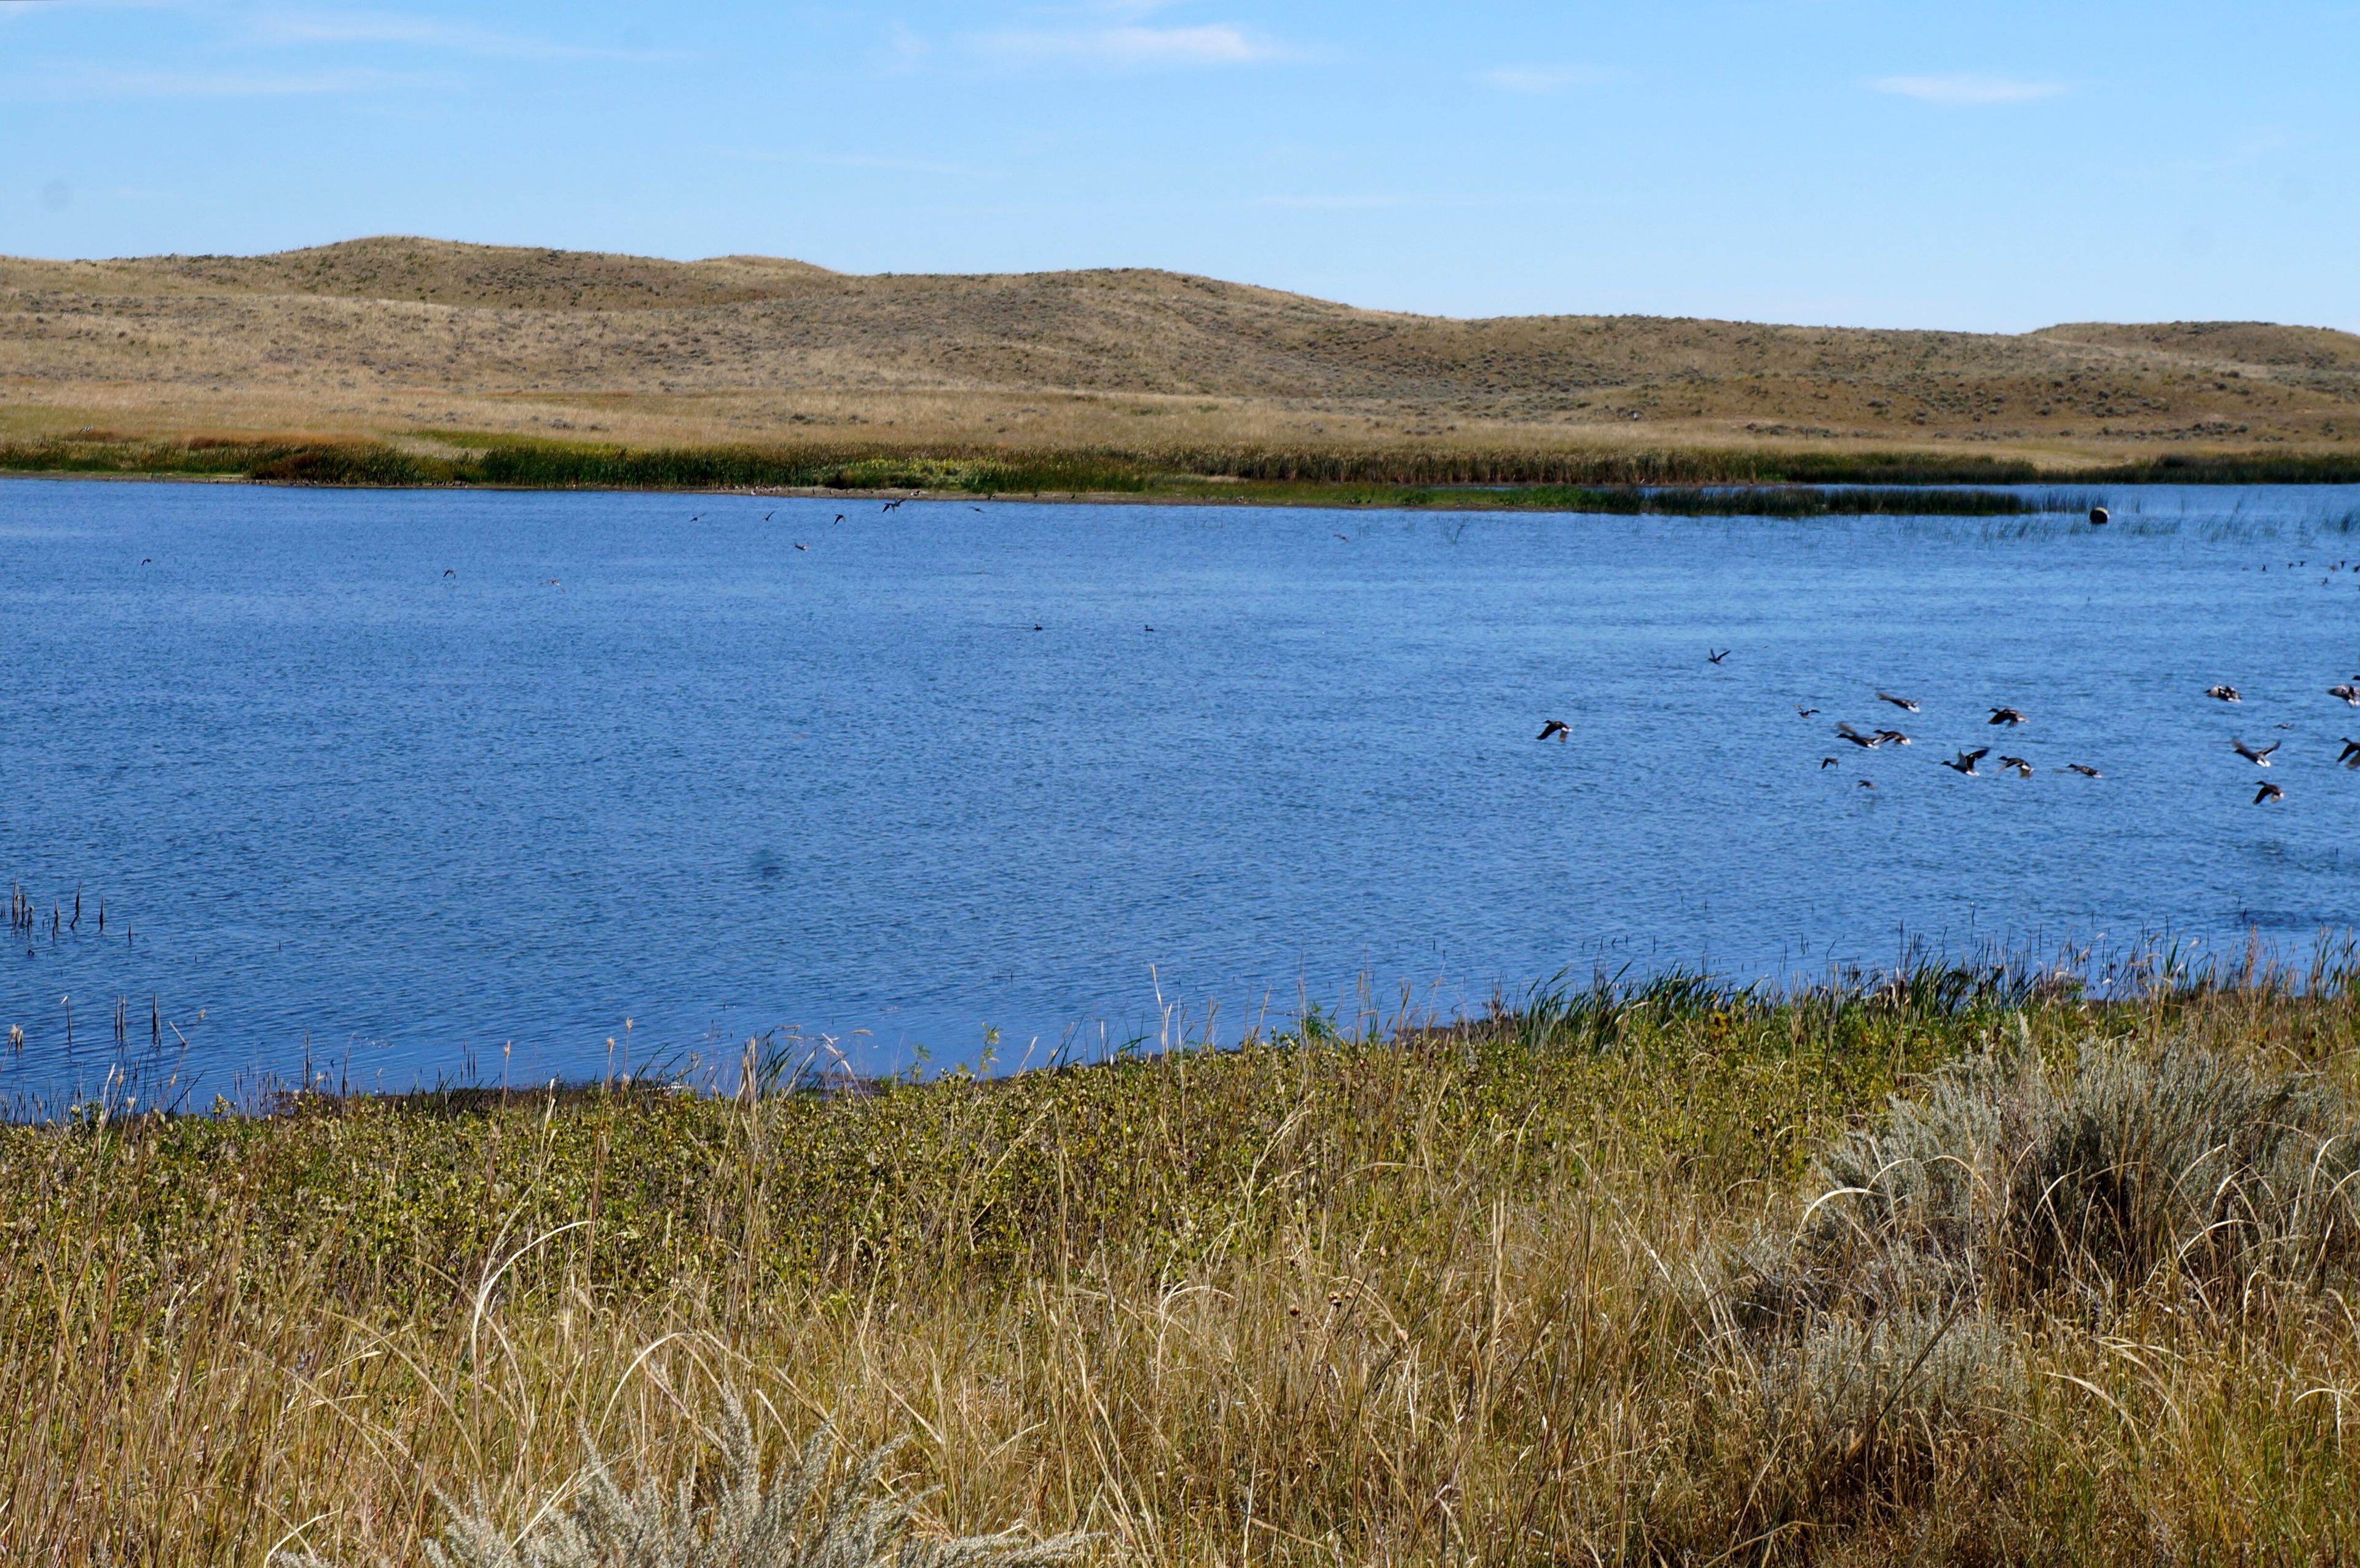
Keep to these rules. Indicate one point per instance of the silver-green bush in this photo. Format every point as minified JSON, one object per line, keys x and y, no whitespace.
{"x":790,"y":1519}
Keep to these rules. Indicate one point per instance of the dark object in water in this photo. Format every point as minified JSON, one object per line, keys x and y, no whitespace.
{"x":2097,"y":517}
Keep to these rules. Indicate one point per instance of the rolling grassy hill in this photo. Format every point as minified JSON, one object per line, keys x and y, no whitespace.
{"x":396,"y":339}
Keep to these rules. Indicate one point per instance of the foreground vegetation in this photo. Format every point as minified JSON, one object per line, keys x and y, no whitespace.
{"x":1688,"y":482}
{"x":1614,"y":1276}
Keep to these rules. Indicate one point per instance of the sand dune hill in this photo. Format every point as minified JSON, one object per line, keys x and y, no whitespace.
{"x":381,"y":335}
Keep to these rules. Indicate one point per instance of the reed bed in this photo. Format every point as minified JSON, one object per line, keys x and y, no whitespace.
{"x":1957,"y":1265}
{"x":1701,"y":480}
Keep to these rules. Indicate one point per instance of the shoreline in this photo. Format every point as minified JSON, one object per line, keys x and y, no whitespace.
{"x":1685,"y":482}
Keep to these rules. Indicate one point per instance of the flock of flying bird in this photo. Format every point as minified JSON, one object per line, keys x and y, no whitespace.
{"x":1965,"y":761}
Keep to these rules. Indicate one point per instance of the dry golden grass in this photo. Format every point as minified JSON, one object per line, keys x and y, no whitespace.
{"x":391,"y":337}
{"x":1462,"y":1298}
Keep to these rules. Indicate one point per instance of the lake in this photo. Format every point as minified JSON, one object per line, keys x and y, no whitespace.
{"x":423,"y":786}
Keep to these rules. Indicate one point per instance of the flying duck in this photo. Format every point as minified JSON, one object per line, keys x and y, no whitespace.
{"x":1853,"y":735}
{"x":2023,"y":769}
{"x":2258,"y":759}
{"x":2224,"y":693}
{"x":2084,"y":769}
{"x":1967,"y":760}
{"x":2267,"y":793}
{"x":2348,"y":691}
{"x":1897,"y":701}
{"x":2006,"y":716}
{"x":1557,"y":727}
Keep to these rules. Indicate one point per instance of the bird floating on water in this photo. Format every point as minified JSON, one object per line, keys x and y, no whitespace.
{"x":2269,"y":792}
{"x":2258,"y":759}
{"x":1967,"y":760}
{"x":2006,"y":716}
{"x":2098,"y":516}
{"x":1557,"y":727}
{"x":2224,"y":693}
{"x":1902,"y":702}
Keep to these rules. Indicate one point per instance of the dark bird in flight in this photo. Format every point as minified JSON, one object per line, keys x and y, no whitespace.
{"x":1557,"y":727}
{"x":2223,"y":693}
{"x":1892,"y":737}
{"x":448,"y":571}
{"x":2022,"y":768}
{"x":2348,"y":691}
{"x":1713,"y":657}
{"x":1902,"y":702}
{"x":2006,"y":716}
{"x":767,"y":515}
{"x":2269,"y":792}
{"x":1967,"y":760}
{"x":1346,"y":537}
{"x":2351,"y":757}
{"x":1868,"y":783}
{"x":150,"y":560}
{"x":1803,"y":712}
{"x":698,"y":518}
{"x":1866,"y":742}
{"x":803,"y":547}
{"x":839,"y":517}
{"x":2258,"y":759}
{"x":1826,"y":763}
{"x":2084,"y":769}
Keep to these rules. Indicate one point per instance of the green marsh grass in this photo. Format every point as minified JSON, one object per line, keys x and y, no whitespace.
{"x":1622,"y":1273}
{"x":1698,"y":481}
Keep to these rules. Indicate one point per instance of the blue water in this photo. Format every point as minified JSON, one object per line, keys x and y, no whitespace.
{"x":411,"y":786}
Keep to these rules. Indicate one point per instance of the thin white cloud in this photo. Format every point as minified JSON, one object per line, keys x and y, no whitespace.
{"x":420,"y":32}
{"x":1542,"y":79}
{"x":1212,"y":44}
{"x":1965,"y":88}
{"x":87,"y":83}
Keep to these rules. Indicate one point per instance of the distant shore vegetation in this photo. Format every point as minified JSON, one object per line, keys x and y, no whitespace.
{"x":1695,"y":481}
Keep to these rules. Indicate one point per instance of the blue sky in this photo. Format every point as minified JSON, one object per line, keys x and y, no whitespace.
{"x":1998,"y":166}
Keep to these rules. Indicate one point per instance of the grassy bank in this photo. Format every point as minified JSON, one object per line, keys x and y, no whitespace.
{"x":1682,"y":481}
{"x":1616,"y":1277}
